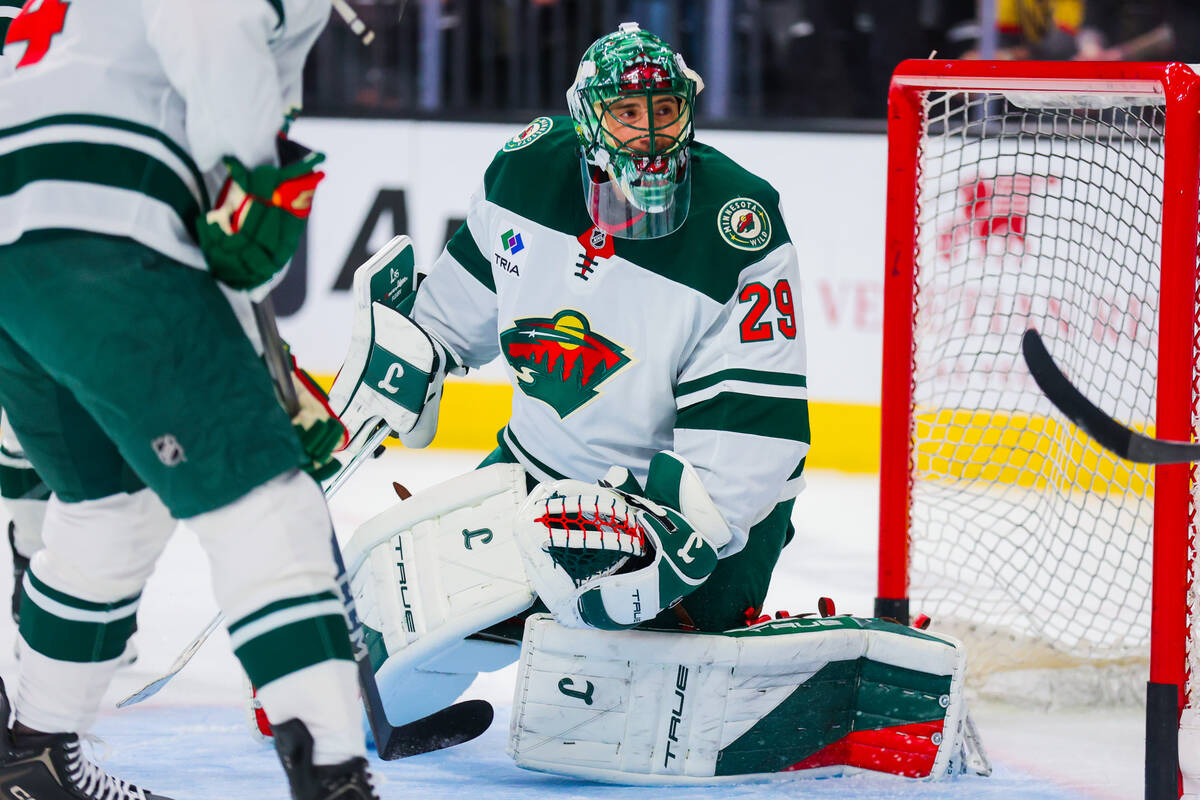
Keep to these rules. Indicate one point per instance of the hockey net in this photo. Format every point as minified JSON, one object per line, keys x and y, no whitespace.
{"x":1045,"y":196}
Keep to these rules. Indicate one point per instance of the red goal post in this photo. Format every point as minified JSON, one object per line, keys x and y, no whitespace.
{"x":1031,"y":185}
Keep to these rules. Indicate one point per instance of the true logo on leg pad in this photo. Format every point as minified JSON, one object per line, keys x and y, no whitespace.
{"x":566,"y":684}
{"x":468,"y":535}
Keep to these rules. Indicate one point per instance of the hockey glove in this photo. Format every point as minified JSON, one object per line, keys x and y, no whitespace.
{"x":611,"y":555}
{"x":318,"y":428}
{"x":259,"y":217}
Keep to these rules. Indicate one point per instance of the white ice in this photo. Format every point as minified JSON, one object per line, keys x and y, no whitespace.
{"x":190,"y":740}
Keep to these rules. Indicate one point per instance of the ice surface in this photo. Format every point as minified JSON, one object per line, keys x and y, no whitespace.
{"x":190,"y":741}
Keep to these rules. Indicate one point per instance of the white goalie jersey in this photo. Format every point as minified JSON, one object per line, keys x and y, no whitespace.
{"x":618,"y":349}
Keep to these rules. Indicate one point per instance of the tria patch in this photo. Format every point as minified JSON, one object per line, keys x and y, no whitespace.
{"x":744,"y":223}
{"x":560,"y":360}
{"x":533,"y":131}
{"x":512,"y":242}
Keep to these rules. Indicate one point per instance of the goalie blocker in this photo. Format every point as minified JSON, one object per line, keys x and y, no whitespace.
{"x":394,"y":369}
{"x":793,"y":697}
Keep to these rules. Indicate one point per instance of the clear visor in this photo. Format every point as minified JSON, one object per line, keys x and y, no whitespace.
{"x":641,"y":206}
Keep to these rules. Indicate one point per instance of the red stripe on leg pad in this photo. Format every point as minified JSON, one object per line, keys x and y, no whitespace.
{"x":906,"y":750}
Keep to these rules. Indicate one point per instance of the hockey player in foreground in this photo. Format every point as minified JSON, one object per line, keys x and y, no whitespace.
{"x":641,"y":288}
{"x":141,"y":168}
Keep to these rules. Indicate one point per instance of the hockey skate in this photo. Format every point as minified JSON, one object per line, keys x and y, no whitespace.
{"x":53,"y":767}
{"x":346,"y":781}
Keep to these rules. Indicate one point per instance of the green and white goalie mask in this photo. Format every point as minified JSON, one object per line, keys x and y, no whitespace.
{"x":632,"y":103}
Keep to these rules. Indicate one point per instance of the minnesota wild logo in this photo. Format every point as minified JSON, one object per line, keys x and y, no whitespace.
{"x":560,"y":360}
{"x":530,"y":134}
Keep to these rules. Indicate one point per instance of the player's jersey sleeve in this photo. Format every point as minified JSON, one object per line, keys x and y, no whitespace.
{"x":457,"y":299}
{"x":218,"y":55}
{"x":742,"y":398}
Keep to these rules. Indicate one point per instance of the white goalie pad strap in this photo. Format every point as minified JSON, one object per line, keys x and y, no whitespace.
{"x":787,"y":698}
{"x":439,"y":566}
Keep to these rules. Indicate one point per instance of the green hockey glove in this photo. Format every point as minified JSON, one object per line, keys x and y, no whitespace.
{"x":258,"y":220}
{"x":319,"y":429}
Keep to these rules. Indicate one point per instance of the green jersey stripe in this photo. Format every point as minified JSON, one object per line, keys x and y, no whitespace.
{"x":280,"y":605}
{"x":118,"y":124}
{"x":101,"y":164}
{"x":121,"y":607}
{"x":11,"y":7}
{"x":746,"y":375}
{"x":777,"y":417}
{"x":291,"y":648}
{"x":77,"y":641}
{"x":516,"y":445}
{"x":466,"y":252}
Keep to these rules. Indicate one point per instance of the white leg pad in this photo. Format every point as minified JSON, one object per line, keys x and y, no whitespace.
{"x":435,"y":568}
{"x":788,"y":698}
{"x":412,"y":693}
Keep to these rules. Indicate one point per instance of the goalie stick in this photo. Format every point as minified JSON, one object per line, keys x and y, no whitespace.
{"x":1112,"y":435}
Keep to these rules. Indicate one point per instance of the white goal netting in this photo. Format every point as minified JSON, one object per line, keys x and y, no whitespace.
{"x":1028,"y":540}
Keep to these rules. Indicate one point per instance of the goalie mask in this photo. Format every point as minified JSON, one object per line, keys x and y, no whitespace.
{"x":632,"y":103}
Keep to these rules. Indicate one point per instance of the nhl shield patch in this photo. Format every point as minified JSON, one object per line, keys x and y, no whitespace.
{"x":744,"y":224}
{"x":532,"y":132}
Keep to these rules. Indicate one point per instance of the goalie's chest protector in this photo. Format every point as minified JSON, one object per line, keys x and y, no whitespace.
{"x":596,"y":331}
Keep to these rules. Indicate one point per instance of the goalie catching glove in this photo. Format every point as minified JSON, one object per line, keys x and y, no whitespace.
{"x":260,"y":216}
{"x":612,"y":556}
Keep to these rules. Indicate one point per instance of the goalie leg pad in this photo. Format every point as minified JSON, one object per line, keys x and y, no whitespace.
{"x":432,"y":570}
{"x":410,"y":693}
{"x":787,"y":698}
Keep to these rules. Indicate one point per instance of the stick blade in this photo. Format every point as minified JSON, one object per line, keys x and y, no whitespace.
{"x":1069,"y":400}
{"x":1110,"y":434}
{"x":147,"y":691}
{"x":451,"y":726}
